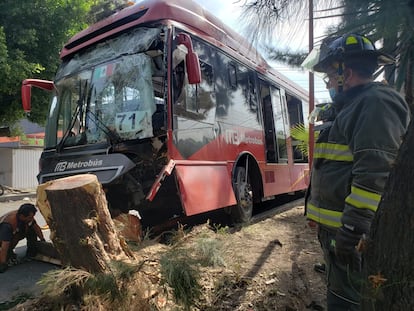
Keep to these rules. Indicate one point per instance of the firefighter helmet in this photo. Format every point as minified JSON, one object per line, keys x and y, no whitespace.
{"x":347,"y":48}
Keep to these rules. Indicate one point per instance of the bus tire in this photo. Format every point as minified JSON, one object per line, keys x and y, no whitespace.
{"x":242,"y":211}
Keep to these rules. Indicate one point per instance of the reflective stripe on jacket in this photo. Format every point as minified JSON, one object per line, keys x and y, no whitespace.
{"x":353,"y":156}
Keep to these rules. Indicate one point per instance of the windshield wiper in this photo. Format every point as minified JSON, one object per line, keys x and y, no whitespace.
{"x":76,"y":114}
{"x":112,"y":136}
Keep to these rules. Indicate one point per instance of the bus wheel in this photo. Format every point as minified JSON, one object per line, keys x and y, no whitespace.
{"x":242,"y":211}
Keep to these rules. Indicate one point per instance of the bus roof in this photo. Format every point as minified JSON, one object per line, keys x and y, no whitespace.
{"x":186,"y":12}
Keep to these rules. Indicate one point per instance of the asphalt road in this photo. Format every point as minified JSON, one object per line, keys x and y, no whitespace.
{"x":21,"y":280}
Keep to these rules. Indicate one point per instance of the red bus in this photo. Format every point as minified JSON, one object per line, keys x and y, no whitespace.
{"x":170,"y":108}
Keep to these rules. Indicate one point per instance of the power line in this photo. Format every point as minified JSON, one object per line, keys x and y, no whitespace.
{"x":330,"y":9}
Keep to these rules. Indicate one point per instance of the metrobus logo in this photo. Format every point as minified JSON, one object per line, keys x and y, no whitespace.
{"x":65,"y":165}
{"x":234,"y":137}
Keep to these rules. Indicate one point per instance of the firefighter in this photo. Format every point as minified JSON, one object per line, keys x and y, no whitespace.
{"x":15,"y":226}
{"x":352,"y":159}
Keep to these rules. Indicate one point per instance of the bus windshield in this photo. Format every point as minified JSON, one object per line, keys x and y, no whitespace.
{"x":110,"y":92}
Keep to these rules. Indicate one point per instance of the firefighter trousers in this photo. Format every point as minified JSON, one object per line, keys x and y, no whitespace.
{"x":343,"y":285}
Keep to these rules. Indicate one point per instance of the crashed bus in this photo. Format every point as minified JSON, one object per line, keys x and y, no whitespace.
{"x":173,"y":112}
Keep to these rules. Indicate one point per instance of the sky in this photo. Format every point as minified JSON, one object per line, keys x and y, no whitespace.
{"x":229,"y":11}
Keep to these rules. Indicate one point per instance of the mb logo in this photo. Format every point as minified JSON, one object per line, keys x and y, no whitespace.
{"x":61,"y":166}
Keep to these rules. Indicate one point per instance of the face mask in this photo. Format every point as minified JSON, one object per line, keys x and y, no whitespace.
{"x":332,"y":92}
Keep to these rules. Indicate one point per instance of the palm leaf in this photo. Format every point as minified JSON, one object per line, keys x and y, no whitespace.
{"x":300,"y":133}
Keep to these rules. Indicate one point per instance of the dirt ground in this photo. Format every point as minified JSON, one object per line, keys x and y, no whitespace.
{"x":267,"y":265}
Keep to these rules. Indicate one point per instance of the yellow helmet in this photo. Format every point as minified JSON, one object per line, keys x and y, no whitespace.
{"x":346,"y":48}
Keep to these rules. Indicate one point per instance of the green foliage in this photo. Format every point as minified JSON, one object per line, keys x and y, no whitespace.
{"x":300,"y":133}
{"x":219,"y":228}
{"x":103,"y":284}
{"x":32,"y":33}
{"x":209,"y":252}
{"x":180,"y":266}
{"x":180,"y":273}
{"x":13,"y":68}
{"x":112,"y":283}
{"x":390,"y":21}
{"x":125,"y":271}
{"x":104,"y":291}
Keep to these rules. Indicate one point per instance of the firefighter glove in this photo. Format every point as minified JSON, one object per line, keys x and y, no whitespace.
{"x":346,"y":253}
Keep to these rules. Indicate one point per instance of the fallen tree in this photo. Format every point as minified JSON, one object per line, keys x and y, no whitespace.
{"x":82,"y":231}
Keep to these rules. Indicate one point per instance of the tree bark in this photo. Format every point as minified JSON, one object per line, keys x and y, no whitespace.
{"x":75,"y":208}
{"x":409,"y":84}
{"x":389,"y":256}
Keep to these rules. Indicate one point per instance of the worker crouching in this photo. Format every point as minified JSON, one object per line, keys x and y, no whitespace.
{"x":15,"y":226}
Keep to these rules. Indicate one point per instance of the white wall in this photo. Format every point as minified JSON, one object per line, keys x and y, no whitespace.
{"x":25,"y":167}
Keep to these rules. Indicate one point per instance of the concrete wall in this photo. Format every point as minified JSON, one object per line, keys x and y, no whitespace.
{"x":25,"y":167}
{"x":6,"y":166}
{"x":19,"y":167}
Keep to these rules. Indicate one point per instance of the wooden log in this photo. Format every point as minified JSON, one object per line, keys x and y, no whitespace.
{"x":129,"y":226}
{"x":76,"y":210}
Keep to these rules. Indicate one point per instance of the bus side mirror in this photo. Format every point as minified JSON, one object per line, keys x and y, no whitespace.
{"x":191,"y":59}
{"x":27,"y":90}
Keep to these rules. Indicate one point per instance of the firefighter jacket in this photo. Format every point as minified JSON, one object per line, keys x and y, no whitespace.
{"x":353,"y":156}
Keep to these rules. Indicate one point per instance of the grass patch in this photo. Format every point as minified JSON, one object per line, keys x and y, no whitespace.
{"x":86,"y":291}
{"x":179,"y":271}
{"x":209,"y":251}
{"x":57,"y":282}
{"x":180,"y":266}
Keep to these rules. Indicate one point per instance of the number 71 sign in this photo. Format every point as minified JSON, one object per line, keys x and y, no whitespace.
{"x":131,"y":121}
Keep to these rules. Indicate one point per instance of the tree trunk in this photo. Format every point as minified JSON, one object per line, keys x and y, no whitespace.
{"x":389,"y":254}
{"x":75,"y":208}
{"x":409,"y":84}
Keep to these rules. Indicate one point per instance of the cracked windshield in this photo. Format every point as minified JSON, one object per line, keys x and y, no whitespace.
{"x":109,"y":102}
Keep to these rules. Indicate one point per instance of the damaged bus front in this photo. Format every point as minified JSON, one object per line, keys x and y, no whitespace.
{"x":108,"y":114}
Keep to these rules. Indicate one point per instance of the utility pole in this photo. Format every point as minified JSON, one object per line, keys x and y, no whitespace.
{"x":311,"y":87}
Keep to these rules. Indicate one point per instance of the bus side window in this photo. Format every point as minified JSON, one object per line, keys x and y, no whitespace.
{"x":295,"y":111}
{"x":199,"y":96}
{"x":178,"y":82}
{"x":252,"y":95}
{"x":281,"y":123}
{"x":232,"y":71}
{"x":194,"y":101}
{"x":197,"y":101}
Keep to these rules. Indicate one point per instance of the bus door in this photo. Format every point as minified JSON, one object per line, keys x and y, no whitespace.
{"x":275,"y":126}
{"x":281,"y":123}
{"x":268,"y":123}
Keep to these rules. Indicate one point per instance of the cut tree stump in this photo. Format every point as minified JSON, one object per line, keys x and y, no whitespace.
{"x":82,"y":231}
